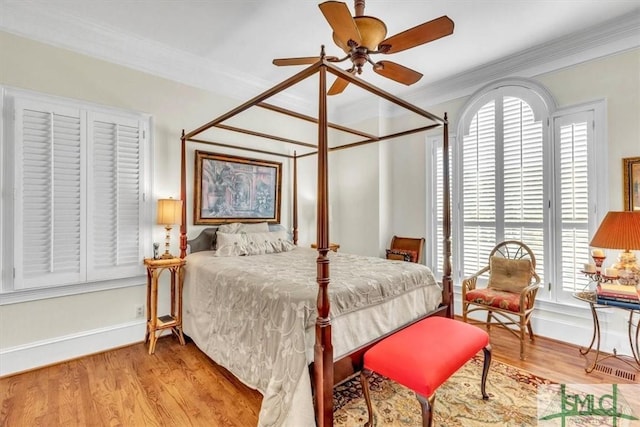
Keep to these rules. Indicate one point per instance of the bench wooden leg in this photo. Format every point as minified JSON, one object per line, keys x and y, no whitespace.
{"x":485,"y":371}
{"x":426,"y":403}
{"x":364,"y":383}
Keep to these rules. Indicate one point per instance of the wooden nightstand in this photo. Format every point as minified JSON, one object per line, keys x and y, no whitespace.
{"x":172,"y":321}
{"x":332,"y":246}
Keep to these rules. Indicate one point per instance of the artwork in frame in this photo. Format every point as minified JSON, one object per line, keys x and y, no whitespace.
{"x":236,"y":189}
{"x":631,"y":180}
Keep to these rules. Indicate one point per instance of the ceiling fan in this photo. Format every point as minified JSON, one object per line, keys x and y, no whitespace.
{"x":361,"y":36}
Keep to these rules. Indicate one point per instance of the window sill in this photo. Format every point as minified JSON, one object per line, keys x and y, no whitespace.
{"x":20,"y":296}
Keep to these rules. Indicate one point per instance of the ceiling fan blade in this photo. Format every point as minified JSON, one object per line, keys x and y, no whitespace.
{"x":338,"y":86}
{"x":338,"y":16}
{"x":421,"y":34}
{"x":296,"y":61}
{"x":302,"y":60}
{"x":397,"y":72}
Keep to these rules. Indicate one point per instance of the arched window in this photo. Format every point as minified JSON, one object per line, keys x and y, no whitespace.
{"x":521,"y":171}
{"x":503,"y":133}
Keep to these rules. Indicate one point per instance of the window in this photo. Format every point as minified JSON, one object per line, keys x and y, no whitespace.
{"x":76,"y":173}
{"x":434,"y":253}
{"x":577,"y":192}
{"x":520,"y":172}
{"x":502,"y":179}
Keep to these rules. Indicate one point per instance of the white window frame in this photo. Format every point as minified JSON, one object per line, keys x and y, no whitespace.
{"x":9,"y":214}
{"x":542,"y":104}
{"x":598,"y":186}
{"x":434,"y":251}
{"x":597,"y":162}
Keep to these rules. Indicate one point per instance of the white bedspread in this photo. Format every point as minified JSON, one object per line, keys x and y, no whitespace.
{"x":252,"y":315}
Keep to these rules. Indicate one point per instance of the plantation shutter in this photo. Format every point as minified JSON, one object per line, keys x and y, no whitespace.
{"x":523,"y":183}
{"x":525,"y":178}
{"x":479,"y":189}
{"x":77,"y":178}
{"x":115,"y":196}
{"x":573,"y":134}
{"x":48,"y":221}
{"x":503,"y":181}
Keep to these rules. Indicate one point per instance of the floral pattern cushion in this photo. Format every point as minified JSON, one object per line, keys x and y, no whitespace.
{"x":494,"y":298}
{"x":402,"y":255}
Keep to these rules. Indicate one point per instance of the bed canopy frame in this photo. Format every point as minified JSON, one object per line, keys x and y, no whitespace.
{"x":323,"y":366}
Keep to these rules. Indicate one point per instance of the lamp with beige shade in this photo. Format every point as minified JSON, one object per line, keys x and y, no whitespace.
{"x":169,"y":214}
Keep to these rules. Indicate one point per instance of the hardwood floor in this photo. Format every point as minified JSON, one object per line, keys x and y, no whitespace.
{"x":180,"y":386}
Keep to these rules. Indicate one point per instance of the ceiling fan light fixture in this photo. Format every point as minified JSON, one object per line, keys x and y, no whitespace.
{"x":372,"y":32}
{"x":361,"y":37}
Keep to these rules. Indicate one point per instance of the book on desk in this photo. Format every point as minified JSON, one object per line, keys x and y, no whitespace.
{"x":618,"y":295}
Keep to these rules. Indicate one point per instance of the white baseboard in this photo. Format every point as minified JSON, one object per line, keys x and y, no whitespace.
{"x":42,"y":353}
{"x":573,"y":326}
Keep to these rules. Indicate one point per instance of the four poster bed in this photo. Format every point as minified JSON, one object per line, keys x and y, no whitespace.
{"x":268,"y":317}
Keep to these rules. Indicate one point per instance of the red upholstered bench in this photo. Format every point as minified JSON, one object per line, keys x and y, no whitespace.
{"x":424,"y":355}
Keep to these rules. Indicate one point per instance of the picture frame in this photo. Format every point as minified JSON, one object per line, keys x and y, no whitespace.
{"x":631,"y":183}
{"x":236,"y":189}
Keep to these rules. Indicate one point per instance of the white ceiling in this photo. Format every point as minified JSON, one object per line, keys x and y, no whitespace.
{"x":204,"y":42}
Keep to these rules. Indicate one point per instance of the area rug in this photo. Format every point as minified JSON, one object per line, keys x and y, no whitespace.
{"x":512,"y":400}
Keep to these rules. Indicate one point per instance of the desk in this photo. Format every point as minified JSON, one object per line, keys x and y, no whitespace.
{"x":172,"y":321}
{"x":590,"y":298}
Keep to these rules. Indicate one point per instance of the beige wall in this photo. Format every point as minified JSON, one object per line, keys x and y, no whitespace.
{"x":30,"y":65}
{"x":34,"y":66}
{"x":615,"y":79}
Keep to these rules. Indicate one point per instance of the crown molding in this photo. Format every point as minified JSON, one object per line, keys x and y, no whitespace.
{"x":607,"y":39}
{"x":25,"y":19}
{"x":612,"y":37}
{"x":105,"y":43}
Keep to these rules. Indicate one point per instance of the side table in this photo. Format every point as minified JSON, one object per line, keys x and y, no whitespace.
{"x":172,"y":321}
{"x":332,"y":246}
{"x":594,"y":305}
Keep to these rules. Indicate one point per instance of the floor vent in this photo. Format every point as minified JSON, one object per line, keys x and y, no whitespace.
{"x":621,"y":373}
{"x":605,"y":369}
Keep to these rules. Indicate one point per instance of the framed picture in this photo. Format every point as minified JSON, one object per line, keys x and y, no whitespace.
{"x":236,"y":189}
{"x":631,"y":182}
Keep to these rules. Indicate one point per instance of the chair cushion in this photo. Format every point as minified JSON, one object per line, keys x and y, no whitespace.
{"x":495,"y":298}
{"x":425,"y":354}
{"x":510,"y":275}
{"x":402,"y":255}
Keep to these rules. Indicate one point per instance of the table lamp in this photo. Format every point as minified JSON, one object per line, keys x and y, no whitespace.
{"x":621,"y":230}
{"x":169,"y":214}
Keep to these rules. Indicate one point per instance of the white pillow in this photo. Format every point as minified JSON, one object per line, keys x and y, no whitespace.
{"x":236,"y":244}
{"x":239,"y":227}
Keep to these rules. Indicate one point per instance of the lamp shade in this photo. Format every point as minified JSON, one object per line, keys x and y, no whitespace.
{"x":169,"y":212}
{"x":619,"y":230}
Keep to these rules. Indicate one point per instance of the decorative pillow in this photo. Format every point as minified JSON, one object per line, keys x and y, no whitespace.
{"x":402,"y":255}
{"x":230,"y":244}
{"x":239,"y":227}
{"x":510,"y":275}
{"x":236,"y":244}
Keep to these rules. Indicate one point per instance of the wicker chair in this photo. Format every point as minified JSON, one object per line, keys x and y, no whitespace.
{"x":510,"y":293}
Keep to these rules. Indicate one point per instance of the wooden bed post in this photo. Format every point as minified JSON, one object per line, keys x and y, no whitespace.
{"x":446,"y":218}
{"x":323,"y":366}
{"x":295,"y":198}
{"x":183,"y":196}
{"x":323,"y":350}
